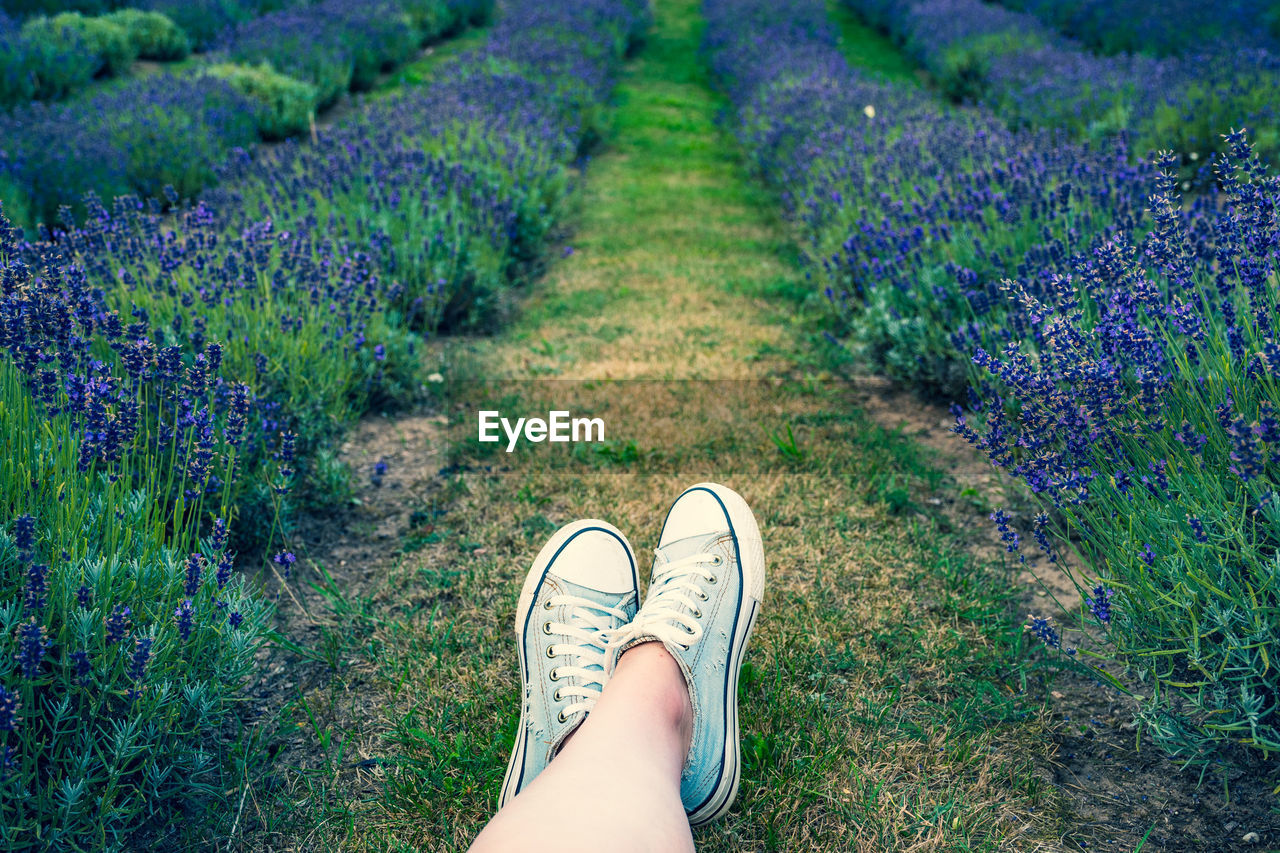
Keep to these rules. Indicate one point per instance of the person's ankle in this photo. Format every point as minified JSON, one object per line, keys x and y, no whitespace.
{"x":670,"y":691}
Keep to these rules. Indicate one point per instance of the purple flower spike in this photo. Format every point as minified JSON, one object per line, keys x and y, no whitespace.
{"x":184,"y":617}
{"x":137,"y":669}
{"x":10,"y":705}
{"x":117,"y":624}
{"x":32,"y":646}
{"x":1100,"y":603}
{"x":195,"y":568}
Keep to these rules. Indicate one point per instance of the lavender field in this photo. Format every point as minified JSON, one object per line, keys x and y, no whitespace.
{"x":975,"y":302}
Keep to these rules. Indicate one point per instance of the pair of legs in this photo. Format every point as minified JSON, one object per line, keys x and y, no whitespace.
{"x":629,"y":729}
{"x":617,"y":777}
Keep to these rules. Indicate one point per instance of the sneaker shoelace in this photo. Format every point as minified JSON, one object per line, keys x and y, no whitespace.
{"x":671,"y":611}
{"x":589,"y":623}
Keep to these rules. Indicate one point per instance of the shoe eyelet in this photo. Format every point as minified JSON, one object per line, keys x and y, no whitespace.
{"x":683,"y":646}
{"x":713,"y":580}
{"x":546,"y":605}
{"x":718,"y":561}
{"x":556,"y":695}
{"x":561,"y":717}
{"x":704,"y":596}
{"x":551,"y":651}
{"x":554,"y":675}
{"x":546,"y":627}
{"x":697,"y":614}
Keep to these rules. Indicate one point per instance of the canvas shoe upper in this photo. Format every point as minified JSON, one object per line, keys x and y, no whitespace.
{"x":583,"y":585}
{"x":702,"y":603}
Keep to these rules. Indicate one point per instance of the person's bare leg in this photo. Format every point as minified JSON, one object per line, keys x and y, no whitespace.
{"x":615,"y":785}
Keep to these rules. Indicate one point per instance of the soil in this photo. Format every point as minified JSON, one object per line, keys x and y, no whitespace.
{"x":344,"y":550}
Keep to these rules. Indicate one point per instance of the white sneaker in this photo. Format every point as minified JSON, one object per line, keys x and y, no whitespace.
{"x":582,"y":583}
{"x":703,"y":599}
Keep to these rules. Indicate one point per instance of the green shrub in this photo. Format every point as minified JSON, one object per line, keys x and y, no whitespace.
{"x":288,"y":104}
{"x":106,"y":41}
{"x":17,"y":76}
{"x":59,"y":62}
{"x":204,"y":21}
{"x":431,"y":18}
{"x":152,"y":34}
{"x":470,"y":12}
{"x":380,"y":38}
{"x":963,"y":69}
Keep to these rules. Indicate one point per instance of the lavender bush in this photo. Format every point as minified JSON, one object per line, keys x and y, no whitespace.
{"x":105,"y":40}
{"x":155,"y":132}
{"x":124,"y":631}
{"x":1128,"y":378}
{"x":17,"y":75}
{"x":1032,"y":76}
{"x":152,"y":35}
{"x":286,"y":107}
{"x":51,"y":58}
{"x":336,"y":45}
{"x":454,"y":187}
{"x":1139,"y":406}
{"x":910,"y":213}
{"x":1167,"y":29}
{"x":44,"y":63}
{"x":205,"y":22}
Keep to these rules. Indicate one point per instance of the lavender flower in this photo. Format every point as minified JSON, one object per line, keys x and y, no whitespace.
{"x":1045,"y":631}
{"x":32,"y":646}
{"x":24,"y":528}
{"x":137,"y":668}
{"x":195,"y":568}
{"x":223,"y":574}
{"x":184,"y":617}
{"x":1007,"y":534}
{"x":83,"y":668}
{"x":219,"y":539}
{"x":1100,"y":603}
{"x":37,"y":587}
{"x":10,"y":705}
{"x":117,"y":624}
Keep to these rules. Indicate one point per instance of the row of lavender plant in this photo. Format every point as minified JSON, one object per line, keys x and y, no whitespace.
{"x":911,"y":212}
{"x":452,"y":187}
{"x":173,"y":130}
{"x":48,"y":58}
{"x":1125,"y":387}
{"x":61,"y":48}
{"x":1032,"y":76}
{"x":1171,"y":28}
{"x":165,"y":383}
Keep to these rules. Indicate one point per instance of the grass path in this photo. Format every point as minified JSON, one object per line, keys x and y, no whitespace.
{"x":879,"y":697}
